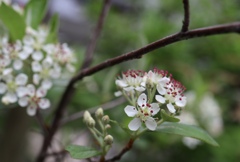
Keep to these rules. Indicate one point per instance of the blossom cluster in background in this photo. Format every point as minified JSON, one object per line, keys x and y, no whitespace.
{"x":29,"y":66}
{"x":147,"y":92}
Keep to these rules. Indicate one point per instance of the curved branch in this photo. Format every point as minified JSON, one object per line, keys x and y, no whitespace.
{"x":186,"y":16}
{"x":92,"y":45}
{"x":67,"y":95}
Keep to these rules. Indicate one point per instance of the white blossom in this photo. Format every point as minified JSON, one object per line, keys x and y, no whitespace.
{"x":131,"y":80}
{"x":142,"y":113}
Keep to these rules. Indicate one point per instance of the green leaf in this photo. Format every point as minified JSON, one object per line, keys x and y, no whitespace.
{"x":167,"y":117}
{"x":187,"y":130}
{"x":34,"y":12}
{"x":13,"y":21}
{"x":53,"y":32}
{"x":82,"y":152}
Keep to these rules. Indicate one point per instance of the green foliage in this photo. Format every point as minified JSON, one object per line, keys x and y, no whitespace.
{"x":82,"y":152}
{"x":13,"y":21}
{"x":186,"y":130}
{"x":53,"y":32}
{"x":166,"y":117}
{"x":35,"y":10}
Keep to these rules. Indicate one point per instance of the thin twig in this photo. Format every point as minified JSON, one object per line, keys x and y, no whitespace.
{"x":123,"y":151}
{"x":106,"y":106}
{"x":41,"y":123}
{"x":186,"y":16}
{"x":69,"y":91}
{"x":92,"y":45}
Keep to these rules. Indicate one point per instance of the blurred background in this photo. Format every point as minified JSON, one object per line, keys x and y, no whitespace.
{"x":208,"y":67}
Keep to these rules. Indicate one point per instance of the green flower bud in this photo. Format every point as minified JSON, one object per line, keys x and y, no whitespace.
{"x":91,"y":122}
{"x":99,"y":113}
{"x":105,"y":119}
{"x":108,"y":139}
{"x":86,"y":116}
{"x":107,"y":126}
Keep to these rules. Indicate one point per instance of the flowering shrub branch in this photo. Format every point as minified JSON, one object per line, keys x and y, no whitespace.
{"x":65,"y":99}
{"x":154,"y":97}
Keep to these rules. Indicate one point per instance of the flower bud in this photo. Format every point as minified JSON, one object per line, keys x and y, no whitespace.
{"x":107,"y":126}
{"x":91,"y":122}
{"x":108,"y":139}
{"x":99,"y":113}
{"x":86,"y":116}
{"x":105,"y":119}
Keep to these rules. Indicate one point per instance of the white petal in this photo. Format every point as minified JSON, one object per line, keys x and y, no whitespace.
{"x":181,"y":101}
{"x":32,"y":109}
{"x":46,"y":84}
{"x":41,"y":92}
{"x":164,"y":80}
{"x":7,"y":71}
{"x":17,"y":64}
{"x":151,"y":124}
{"x":128,"y":89}
{"x":31,"y":90}
{"x":121,"y":83}
{"x":23,"y":102}
{"x":171,"y":108}
{"x":135,"y":124}
{"x":37,"y":55}
{"x":140,"y":89}
{"x":117,"y":94}
{"x":161,"y":90}
{"x":44,"y":103}
{"x":3,"y":88}
{"x":142,"y":100}
{"x":23,"y":55}
{"x":130,"y":111}
{"x":155,"y":108}
{"x":21,"y":79}
{"x":36,"y":66}
{"x":160,"y":99}
{"x":11,"y":97}
{"x":22,"y":91}
{"x":36,"y":79}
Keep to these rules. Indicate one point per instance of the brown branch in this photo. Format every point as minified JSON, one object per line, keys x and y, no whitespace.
{"x":105,"y":106}
{"x":123,"y":151}
{"x":41,"y":123}
{"x":92,"y":45}
{"x":69,"y":91}
{"x":186,"y":16}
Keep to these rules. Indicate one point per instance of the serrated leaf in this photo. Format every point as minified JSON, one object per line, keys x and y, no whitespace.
{"x":186,"y":130}
{"x":166,"y":117}
{"x":13,"y":21}
{"x":34,"y":12}
{"x":53,"y":32}
{"x":82,"y":152}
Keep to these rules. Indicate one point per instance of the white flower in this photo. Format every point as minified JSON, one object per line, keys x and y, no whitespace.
{"x":174,"y":95}
{"x":142,"y":113}
{"x":34,"y":100}
{"x":14,"y":88}
{"x":131,"y":80}
{"x":156,"y":78}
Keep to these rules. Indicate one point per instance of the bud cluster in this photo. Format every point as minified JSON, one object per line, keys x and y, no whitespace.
{"x":100,"y":133}
{"x":29,"y":66}
{"x":141,"y":88}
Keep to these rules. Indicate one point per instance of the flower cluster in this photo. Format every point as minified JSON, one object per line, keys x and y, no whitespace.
{"x":141,"y":88}
{"x":29,"y":66}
